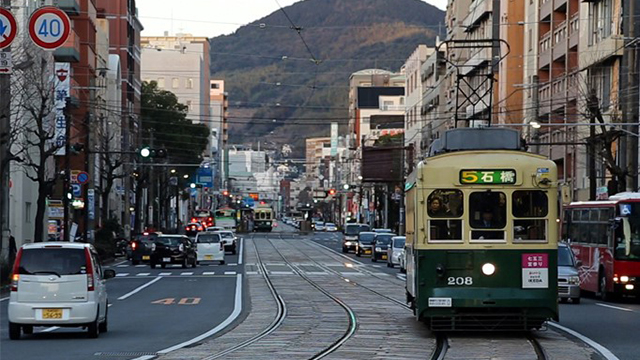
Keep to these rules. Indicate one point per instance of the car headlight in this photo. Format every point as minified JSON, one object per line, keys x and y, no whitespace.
{"x":378,"y":249}
{"x":348,"y":243}
{"x":574,"y":280}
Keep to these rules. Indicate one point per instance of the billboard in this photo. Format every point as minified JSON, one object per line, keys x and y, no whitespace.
{"x":382,"y":164}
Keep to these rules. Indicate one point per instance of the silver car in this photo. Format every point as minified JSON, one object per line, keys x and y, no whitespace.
{"x":395,"y":250}
{"x":568,"y":279}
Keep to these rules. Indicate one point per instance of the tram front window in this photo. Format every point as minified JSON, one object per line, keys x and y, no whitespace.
{"x":445,"y":208}
{"x":489,"y":213}
{"x":528,"y":205}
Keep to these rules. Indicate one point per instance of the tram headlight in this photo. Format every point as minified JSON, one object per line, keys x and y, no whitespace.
{"x":574,"y":280}
{"x":488,"y":269}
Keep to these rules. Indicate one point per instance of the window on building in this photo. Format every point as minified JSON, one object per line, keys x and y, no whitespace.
{"x":530,"y":39}
{"x":189,"y":84}
{"x":215,"y":86}
{"x":189,"y":105}
{"x":175,"y":83}
{"x":27,"y":212}
{"x":161,"y":83}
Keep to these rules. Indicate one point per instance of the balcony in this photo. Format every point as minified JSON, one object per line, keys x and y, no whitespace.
{"x":545,"y":8}
{"x":559,"y":5}
{"x":544,"y":95}
{"x":70,"y":50}
{"x":560,"y":41}
{"x":544,"y":51}
{"x":603,"y":50}
{"x":482,"y":9}
{"x":574,"y":31}
{"x":71,"y":7}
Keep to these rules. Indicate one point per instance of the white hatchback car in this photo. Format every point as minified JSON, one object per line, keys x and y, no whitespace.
{"x":395,"y":250}
{"x":210,"y":247}
{"x":58,"y":284}
{"x":230,"y":241}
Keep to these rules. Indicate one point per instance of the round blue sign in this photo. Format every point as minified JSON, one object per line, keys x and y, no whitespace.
{"x":83,"y":178}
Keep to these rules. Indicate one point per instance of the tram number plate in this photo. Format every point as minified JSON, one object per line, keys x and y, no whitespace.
{"x":459,"y":281}
{"x":439,"y":302}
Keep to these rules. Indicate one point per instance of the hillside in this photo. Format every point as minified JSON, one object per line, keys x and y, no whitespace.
{"x":270,"y":73}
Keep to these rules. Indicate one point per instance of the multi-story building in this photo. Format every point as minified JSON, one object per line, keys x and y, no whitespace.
{"x":558,"y":86}
{"x":456,"y":13}
{"x":314,"y":155}
{"x":180,"y":64}
{"x":413,"y":91}
{"x":510,"y":70}
{"x":124,"y":41}
{"x":219,"y":127}
{"x":434,"y":103}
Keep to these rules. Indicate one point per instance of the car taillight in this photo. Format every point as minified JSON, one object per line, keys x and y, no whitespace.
{"x":90,"y":280}
{"x":15,"y":276}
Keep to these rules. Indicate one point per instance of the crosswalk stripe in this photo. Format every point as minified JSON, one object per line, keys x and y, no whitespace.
{"x":209,"y":273}
{"x":252,"y":272}
{"x":164,"y":274}
{"x":123,"y":266}
{"x":186,"y":273}
{"x":232,"y":264}
{"x":229,"y":272}
{"x":141,"y":266}
{"x":122,"y":274}
{"x":143,"y":274}
{"x":281,"y":272}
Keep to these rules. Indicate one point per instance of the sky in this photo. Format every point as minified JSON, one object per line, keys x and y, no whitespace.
{"x":210,"y":18}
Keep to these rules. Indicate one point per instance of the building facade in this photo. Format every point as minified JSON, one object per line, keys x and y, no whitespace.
{"x":413,"y":90}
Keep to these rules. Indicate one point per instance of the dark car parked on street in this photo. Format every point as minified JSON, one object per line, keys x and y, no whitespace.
{"x":364,"y":246}
{"x":173,"y":249}
{"x":139,"y":250}
{"x":350,"y":237}
{"x":381,"y":243}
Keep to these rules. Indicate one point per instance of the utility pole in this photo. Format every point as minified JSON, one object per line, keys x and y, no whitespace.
{"x":591,"y":152}
{"x":629,"y":144}
{"x":5,"y":118}
{"x":67,"y":171}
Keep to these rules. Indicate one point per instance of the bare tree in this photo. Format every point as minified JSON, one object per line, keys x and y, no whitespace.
{"x":111,"y":160}
{"x":34,"y":109}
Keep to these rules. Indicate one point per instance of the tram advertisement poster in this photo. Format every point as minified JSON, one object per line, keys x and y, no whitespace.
{"x":535,"y":271}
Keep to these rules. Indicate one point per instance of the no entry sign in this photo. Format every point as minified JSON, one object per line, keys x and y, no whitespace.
{"x":49,"y":27}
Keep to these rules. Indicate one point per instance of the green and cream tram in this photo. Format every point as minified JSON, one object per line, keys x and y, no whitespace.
{"x":482,"y":234}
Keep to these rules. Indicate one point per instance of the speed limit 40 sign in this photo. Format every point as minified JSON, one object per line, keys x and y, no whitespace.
{"x":49,"y":27}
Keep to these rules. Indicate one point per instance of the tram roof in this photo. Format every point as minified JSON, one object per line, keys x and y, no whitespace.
{"x":486,"y":138}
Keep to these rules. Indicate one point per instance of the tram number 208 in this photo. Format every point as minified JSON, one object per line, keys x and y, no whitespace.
{"x":459,"y":281}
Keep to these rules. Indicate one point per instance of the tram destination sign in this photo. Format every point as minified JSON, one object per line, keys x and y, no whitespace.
{"x":487,"y":177}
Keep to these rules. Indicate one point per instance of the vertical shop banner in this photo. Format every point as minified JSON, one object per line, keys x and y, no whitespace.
{"x":334,"y":138}
{"x":62,"y":85}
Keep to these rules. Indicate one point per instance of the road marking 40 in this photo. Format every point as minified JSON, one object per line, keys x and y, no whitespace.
{"x":183,"y":301}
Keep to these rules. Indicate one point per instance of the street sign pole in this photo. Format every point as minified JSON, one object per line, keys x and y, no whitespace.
{"x":7,"y":34}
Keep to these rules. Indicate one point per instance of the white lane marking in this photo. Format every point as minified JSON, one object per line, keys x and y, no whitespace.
{"x":232,"y":264}
{"x":377,"y":266}
{"x":316,"y":273}
{"x":252,"y":272}
{"x":383,"y":274}
{"x":402,"y":277}
{"x":601,"y":349}
{"x":123,"y":266}
{"x":139,"y":288}
{"x":50,"y":329}
{"x":240,"y":252}
{"x":237,"y":309}
{"x":143,"y":274}
{"x":614,"y":307}
{"x":121,"y":262}
{"x":186,"y":274}
{"x":209,"y":273}
{"x":347,"y":273}
{"x":122,"y":274}
{"x":281,"y":272}
{"x":164,"y":274}
{"x":4,"y":299}
{"x":229,"y":272}
{"x":141,"y":266}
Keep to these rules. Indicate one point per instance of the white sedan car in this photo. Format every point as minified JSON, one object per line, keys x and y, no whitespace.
{"x":330,"y":227}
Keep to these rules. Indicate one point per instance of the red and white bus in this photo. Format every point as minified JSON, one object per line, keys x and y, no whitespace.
{"x":605,"y":237}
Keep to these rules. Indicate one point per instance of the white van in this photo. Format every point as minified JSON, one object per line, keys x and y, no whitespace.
{"x":210,"y":247}
{"x":58,"y":284}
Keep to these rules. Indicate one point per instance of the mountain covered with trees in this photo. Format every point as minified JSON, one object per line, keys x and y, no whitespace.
{"x":287,"y":74}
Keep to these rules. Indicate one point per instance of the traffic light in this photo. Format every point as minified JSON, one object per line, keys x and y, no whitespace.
{"x":332,"y":191}
{"x":225,"y":193}
{"x":147,"y":152}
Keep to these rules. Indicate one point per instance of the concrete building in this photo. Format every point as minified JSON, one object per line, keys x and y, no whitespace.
{"x":530,"y":66}
{"x":434,"y":101}
{"x":413,"y":91}
{"x":314,"y":155}
{"x":511,"y":70}
{"x":180,"y":64}
{"x":124,"y":41}
{"x":219,"y":126}
{"x":456,"y":13}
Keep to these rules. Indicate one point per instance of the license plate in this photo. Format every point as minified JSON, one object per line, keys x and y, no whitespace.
{"x":52,"y":313}
{"x":208,"y":257}
{"x":384,"y":257}
{"x":439,"y":302}
{"x":145,"y":257}
{"x":367,"y":251}
{"x":166,"y":259}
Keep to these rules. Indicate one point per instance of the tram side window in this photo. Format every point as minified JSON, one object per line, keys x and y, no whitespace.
{"x":445,"y":207}
{"x":488,"y":210}
{"x":530,"y":208}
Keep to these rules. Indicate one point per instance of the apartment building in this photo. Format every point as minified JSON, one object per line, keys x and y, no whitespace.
{"x":413,"y":91}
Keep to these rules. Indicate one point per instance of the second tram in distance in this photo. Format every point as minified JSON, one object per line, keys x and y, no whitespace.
{"x":482,"y":234}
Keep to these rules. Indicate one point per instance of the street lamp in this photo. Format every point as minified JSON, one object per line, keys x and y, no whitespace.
{"x":345,"y":186}
{"x":186,"y":176}
{"x":173,"y":171}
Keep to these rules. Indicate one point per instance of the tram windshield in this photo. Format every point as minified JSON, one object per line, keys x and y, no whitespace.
{"x":445,"y":206}
{"x":488,"y":210}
